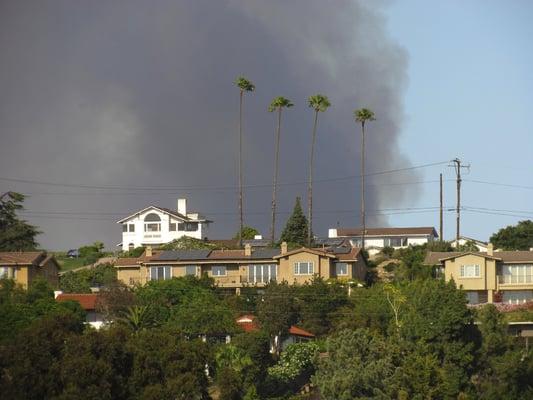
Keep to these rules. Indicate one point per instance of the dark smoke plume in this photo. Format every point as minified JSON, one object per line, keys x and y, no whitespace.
{"x":139,"y":94}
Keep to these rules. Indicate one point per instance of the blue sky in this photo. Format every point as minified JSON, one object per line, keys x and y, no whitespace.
{"x":470,"y":95}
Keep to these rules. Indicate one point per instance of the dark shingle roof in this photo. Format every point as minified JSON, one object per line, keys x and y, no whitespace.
{"x":182,"y":255}
{"x":264,"y":253}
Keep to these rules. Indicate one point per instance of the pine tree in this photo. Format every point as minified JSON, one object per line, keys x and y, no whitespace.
{"x":295,"y":230}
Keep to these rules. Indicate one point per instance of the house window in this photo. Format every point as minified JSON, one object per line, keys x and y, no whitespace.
{"x":190,"y":270}
{"x":395,"y":242}
{"x":218,"y":270}
{"x":470,"y":271}
{"x":160,"y":273}
{"x":472,"y":297}
{"x":262,"y":273}
{"x":3,"y":272}
{"x":517,"y":296}
{"x":303,"y":268}
{"x":188,"y":226}
{"x":124,"y":227}
{"x":341,"y":269}
{"x":131,"y":228}
{"x":172,"y":227}
{"x":152,"y":223}
{"x":518,"y":273}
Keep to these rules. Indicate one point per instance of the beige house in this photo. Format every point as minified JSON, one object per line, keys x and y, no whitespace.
{"x":249,"y":267}
{"x":494,"y":276}
{"x":25,"y":266}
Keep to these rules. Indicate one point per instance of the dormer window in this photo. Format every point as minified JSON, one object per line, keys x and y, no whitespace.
{"x":152,"y":223}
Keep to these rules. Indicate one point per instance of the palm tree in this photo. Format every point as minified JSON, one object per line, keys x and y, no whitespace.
{"x":362,"y":115}
{"x":244,"y":85}
{"x":277,"y":105}
{"x":319,"y":103}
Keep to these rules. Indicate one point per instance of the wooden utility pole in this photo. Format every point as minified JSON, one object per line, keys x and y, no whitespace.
{"x":440,"y":212}
{"x":457,"y":164}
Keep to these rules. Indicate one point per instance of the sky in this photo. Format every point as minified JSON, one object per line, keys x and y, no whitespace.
{"x":107,"y":107}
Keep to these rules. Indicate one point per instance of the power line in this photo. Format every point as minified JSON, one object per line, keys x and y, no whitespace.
{"x":155,"y":188}
{"x":498,"y":184}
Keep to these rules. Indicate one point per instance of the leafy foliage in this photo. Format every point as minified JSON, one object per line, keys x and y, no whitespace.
{"x":296,"y":360}
{"x":82,"y":280}
{"x":188,"y":243}
{"x":247,"y":233}
{"x":518,"y":237}
{"x":278,"y":103}
{"x":295,"y":230}
{"x":15,"y":234}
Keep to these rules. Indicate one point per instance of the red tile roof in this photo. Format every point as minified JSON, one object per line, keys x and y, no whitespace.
{"x":249,"y":323}
{"x":86,"y":300}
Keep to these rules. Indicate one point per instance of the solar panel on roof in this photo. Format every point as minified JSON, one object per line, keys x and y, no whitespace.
{"x":176,"y":255}
{"x":341,"y":250}
{"x":265,"y":253}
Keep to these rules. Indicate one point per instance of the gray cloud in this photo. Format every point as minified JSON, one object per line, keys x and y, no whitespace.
{"x":140,"y":94}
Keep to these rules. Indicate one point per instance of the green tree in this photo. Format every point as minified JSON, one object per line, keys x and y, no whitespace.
{"x":295,"y":231}
{"x":244,"y":86}
{"x":15,"y":234}
{"x":359,"y":365}
{"x":246,"y":233}
{"x":517,"y":237}
{"x":317,"y":303}
{"x":319,"y":103}
{"x":278,"y":104}
{"x":296,"y":360}
{"x":363,"y":115}
{"x":278,"y":311}
{"x":187,"y":243}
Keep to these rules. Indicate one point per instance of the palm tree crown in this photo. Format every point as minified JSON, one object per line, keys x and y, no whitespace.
{"x":318,"y":102}
{"x":279,"y":102}
{"x":244,"y":84}
{"x":364,"y":114}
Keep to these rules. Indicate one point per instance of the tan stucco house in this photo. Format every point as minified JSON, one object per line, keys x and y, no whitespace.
{"x":488,"y":277}
{"x":248,"y":267}
{"x":25,"y":266}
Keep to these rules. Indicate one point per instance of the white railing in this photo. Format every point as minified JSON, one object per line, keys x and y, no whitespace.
{"x":152,"y":236}
{"x":515,"y":279}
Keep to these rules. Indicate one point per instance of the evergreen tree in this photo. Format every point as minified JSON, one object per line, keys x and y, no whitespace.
{"x":15,"y":234}
{"x":295,"y":230}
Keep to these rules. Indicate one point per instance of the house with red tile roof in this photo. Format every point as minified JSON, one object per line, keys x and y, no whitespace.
{"x":249,"y":323}
{"x":88,"y":302}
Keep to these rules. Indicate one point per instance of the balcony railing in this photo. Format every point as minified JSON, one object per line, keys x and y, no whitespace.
{"x":515,"y":279}
{"x":237,"y":280}
{"x":152,"y":236}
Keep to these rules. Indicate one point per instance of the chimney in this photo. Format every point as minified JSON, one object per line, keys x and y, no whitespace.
{"x":247,"y":250}
{"x":283,"y":247}
{"x":182,"y":206}
{"x":148,"y":251}
{"x":490,"y":249}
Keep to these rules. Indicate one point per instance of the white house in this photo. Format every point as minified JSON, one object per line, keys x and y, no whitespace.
{"x":378,"y":238}
{"x":481,"y":246}
{"x":155,"y":225}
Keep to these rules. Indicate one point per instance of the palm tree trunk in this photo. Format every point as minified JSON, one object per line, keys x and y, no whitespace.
{"x":273,"y":226}
{"x":241,"y":223}
{"x":363,"y":214}
{"x":310,"y":186}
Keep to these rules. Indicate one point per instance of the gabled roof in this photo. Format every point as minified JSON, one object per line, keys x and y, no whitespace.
{"x":87,"y":300}
{"x":23,"y":257}
{"x":317,"y":252}
{"x":168,"y":211}
{"x":437,"y":257}
{"x":417,"y":231}
{"x":469,"y":239}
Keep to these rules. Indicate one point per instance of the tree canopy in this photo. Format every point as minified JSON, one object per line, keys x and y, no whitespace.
{"x":15,"y":234}
{"x":295,"y":231}
{"x":514,"y":237}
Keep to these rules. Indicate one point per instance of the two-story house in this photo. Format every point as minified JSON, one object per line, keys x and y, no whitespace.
{"x":378,"y":238}
{"x":494,"y":276}
{"x":25,"y":266}
{"x":155,"y":226}
{"x":248,"y":267}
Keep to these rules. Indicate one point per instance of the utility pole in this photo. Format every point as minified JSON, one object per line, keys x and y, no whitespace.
{"x":440,"y":213}
{"x":457,"y":164}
